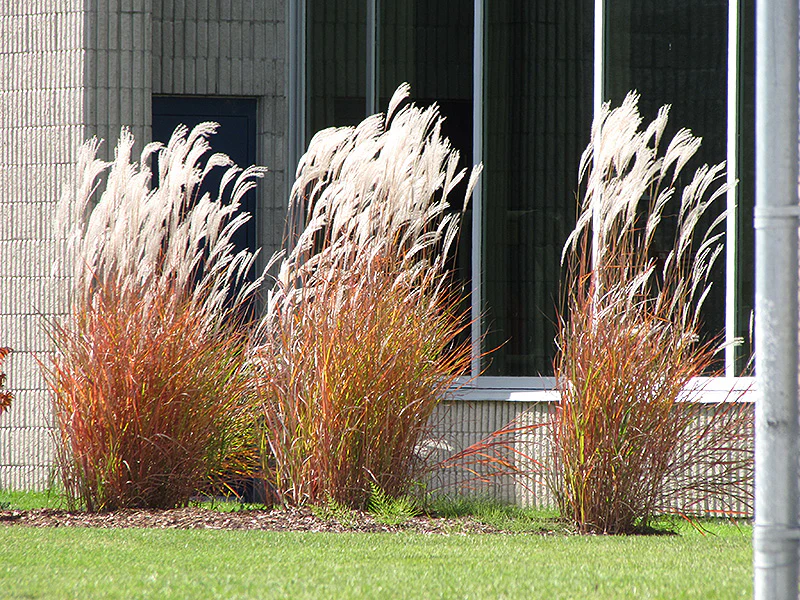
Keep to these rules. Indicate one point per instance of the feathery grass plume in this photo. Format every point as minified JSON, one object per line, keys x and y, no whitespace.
{"x":363,"y":333}
{"x":629,"y":434}
{"x":147,"y":382}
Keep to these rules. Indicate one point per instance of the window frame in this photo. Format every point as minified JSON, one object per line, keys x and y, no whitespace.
{"x":532,"y":388}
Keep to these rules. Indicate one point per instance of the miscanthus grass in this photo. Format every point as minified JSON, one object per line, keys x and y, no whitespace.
{"x":147,"y":382}
{"x":630,"y":438}
{"x":362,"y":336}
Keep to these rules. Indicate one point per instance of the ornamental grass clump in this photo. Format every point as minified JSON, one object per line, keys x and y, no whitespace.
{"x":630,"y":438}
{"x":147,"y":382}
{"x":363,"y":332}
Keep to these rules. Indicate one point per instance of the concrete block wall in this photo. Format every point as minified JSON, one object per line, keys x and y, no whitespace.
{"x":42,"y":122}
{"x":71,"y":69}
{"x":458,"y":424}
{"x":118,"y":70}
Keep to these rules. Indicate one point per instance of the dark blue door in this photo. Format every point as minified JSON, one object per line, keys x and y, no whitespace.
{"x":235,"y":137}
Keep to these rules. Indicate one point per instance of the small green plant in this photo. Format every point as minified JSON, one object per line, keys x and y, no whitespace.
{"x":332,"y":510}
{"x":148,"y":382}
{"x":391,"y":511}
{"x":363,"y":332}
{"x":629,"y":436}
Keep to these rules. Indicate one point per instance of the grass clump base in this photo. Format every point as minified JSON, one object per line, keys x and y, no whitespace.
{"x":362,"y":337}
{"x":629,"y":435}
{"x":147,"y":383}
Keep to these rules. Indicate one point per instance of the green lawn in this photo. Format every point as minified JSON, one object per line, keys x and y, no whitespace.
{"x":94,"y":563}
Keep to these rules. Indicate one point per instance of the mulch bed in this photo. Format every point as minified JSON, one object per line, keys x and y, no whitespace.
{"x":277,"y":519}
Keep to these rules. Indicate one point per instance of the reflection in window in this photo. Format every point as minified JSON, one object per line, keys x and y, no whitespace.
{"x":336,"y":63}
{"x":675,"y":52}
{"x":429,"y":45}
{"x":538,"y":112}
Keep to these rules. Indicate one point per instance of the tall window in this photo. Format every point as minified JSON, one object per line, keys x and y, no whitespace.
{"x":678,"y":52}
{"x":517,"y":77}
{"x":537,"y":117}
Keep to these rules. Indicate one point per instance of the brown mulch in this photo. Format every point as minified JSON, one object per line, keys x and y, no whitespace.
{"x":276,"y":519}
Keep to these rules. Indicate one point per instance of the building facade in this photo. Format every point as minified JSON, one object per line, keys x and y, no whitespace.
{"x":517,"y":81}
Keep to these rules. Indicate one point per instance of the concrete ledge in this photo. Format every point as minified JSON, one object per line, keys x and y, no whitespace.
{"x":706,"y":390}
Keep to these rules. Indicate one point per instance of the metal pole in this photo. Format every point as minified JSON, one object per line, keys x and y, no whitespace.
{"x":479,"y":8}
{"x":775,"y":536}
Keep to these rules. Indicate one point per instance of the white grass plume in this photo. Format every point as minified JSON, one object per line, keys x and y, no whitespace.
{"x":164,"y":240}
{"x":379,"y":189}
{"x":628,"y":187}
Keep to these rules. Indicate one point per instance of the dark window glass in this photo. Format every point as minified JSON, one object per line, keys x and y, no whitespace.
{"x":538,"y":112}
{"x":430,"y":45}
{"x":675,"y":52}
{"x":335,"y":63}
{"x":235,"y":137}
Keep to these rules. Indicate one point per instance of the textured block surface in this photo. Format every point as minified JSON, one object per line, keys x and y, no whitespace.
{"x":42,"y":121}
{"x":71,"y":69}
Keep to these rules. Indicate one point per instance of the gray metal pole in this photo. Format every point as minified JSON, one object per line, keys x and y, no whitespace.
{"x":478,"y":62}
{"x":775,"y":537}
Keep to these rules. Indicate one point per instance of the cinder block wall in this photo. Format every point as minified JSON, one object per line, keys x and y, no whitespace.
{"x":118,"y":70}
{"x":42,"y":121}
{"x":71,"y":69}
{"x":458,"y":424}
{"x":232,"y":48}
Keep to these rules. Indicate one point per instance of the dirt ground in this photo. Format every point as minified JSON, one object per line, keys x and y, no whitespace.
{"x":276,"y":519}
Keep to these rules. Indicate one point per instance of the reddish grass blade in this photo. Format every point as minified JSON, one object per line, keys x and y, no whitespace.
{"x":364,"y":334}
{"x":628,"y":442}
{"x":5,"y":396}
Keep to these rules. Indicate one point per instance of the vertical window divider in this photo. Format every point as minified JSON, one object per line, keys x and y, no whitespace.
{"x":599,"y":63}
{"x":296,"y":92}
{"x":296,"y":103}
{"x":732,"y":164}
{"x":598,"y":97}
{"x":476,"y":327}
{"x":373,"y":55}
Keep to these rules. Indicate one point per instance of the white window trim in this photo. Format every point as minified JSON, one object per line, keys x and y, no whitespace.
{"x":476,"y":286}
{"x":731,"y":232}
{"x":705,"y":390}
